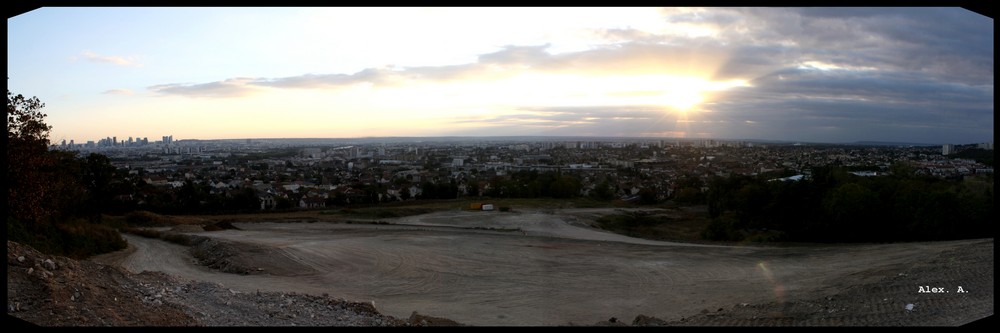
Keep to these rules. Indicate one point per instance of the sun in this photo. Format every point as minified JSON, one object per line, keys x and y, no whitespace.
{"x":685,"y":94}
{"x":682,"y":100}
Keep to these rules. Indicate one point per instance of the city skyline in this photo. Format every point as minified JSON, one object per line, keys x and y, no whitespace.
{"x":836,"y":75}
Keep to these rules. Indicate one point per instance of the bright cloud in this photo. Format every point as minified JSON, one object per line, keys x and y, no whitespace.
{"x":117,"y":60}
{"x":118,"y":92}
{"x":237,"y":87}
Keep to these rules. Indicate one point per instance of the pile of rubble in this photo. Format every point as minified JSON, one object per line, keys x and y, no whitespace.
{"x":46,"y":290}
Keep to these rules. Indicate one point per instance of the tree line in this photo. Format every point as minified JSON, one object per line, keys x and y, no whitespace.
{"x":837,"y":206}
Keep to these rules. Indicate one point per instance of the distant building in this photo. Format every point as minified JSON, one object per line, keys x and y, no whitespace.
{"x":947,"y":149}
{"x":794,"y":178}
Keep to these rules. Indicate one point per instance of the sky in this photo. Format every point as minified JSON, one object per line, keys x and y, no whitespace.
{"x":836,"y":75}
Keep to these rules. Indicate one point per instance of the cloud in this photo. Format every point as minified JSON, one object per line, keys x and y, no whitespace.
{"x":526,"y":56}
{"x":118,"y":92}
{"x":510,"y":61}
{"x":502,"y":63}
{"x":117,"y":60}
{"x":829,"y":105}
{"x":817,"y":101}
{"x":627,"y":35}
{"x":949,"y":43}
{"x":237,"y":87}
{"x":374,"y":76}
{"x":814,"y":73}
{"x":610,"y":120}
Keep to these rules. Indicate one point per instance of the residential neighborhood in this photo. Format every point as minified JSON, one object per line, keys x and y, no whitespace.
{"x":319,"y":173}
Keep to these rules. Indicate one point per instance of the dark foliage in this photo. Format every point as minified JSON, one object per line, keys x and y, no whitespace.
{"x":54,"y":198}
{"x":978,"y":154}
{"x":836,"y":206}
{"x":534,"y":184}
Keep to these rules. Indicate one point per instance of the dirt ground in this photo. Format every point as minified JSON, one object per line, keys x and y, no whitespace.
{"x":51,"y":291}
{"x":547,"y":268}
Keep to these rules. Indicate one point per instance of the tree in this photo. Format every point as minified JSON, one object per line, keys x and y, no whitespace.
{"x":97,"y":177}
{"x":43,"y":189}
{"x":27,"y":141}
{"x":25,"y":123}
{"x":902,"y":169}
{"x":848,"y":208}
{"x":404,"y":193}
{"x":603,"y":191}
{"x":647,"y":196}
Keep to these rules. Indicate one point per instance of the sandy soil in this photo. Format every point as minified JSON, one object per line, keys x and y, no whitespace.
{"x":550,"y":268}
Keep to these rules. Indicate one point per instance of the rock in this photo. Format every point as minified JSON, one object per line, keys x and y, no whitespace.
{"x":613,"y":321}
{"x":31,"y":270}
{"x":20,"y":258}
{"x":422,"y":320}
{"x":643,"y":320}
{"x":50,"y":265}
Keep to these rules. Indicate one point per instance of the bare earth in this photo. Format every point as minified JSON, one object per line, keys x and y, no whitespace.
{"x":551,"y":268}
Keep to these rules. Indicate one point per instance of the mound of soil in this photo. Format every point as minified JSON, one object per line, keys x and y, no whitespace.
{"x":57,"y":291}
{"x":224,"y":225}
{"x":244,"y":258}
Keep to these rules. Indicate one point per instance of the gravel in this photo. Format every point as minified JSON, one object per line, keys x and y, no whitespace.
{"x":57,"y":291}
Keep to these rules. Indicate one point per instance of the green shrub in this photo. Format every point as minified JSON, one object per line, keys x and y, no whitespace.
{"x":81,"y":239}
{"x":722,"y":229}
{"x":76,"y":238}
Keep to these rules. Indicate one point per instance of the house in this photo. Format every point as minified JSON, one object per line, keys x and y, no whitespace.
{"x":312,"y":202}
{"x":156,"y":180}
{"x":267,"y":201}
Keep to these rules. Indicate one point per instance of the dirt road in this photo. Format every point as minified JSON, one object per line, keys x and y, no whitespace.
{"x":535,"y":268}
